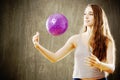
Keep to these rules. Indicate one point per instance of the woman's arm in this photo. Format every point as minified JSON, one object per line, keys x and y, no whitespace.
{"x":61,"y":53}
{"x":109,"y":66}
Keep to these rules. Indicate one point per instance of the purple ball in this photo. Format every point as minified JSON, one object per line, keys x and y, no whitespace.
{"x":56,"y":24}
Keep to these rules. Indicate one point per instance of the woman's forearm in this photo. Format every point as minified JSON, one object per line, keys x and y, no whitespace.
{"x":106,"y":67}
{"x":59,"y":54}
{"x":46,"y":53}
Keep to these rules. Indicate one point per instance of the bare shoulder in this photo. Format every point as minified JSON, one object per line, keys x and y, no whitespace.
{"x":111,"y":47}
{"x":111,"y":52}
{"x":110,"y":44}
{"x":74,"y":39}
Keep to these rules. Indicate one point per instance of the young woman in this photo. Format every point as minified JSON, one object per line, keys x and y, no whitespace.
{"x":94,"y":47}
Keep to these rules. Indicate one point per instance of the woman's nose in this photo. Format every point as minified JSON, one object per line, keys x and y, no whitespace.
{"x":86,"y":16}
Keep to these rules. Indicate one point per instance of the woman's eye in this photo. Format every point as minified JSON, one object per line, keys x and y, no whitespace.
{"x":90,"y":14}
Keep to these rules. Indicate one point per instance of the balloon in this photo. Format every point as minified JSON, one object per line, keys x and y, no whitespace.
{"x":56,"y":24}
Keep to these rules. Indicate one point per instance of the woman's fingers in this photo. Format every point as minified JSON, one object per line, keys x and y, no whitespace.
{"x":92,"y":61}
{"x":89,"y":62}
{"x":93,"y":55}
{"x":36,"y":37}
{"x":92,"y":58}
{"x":37,"y":33}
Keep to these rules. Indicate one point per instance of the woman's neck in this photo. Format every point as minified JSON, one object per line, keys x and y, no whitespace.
{"x":89,"y":30}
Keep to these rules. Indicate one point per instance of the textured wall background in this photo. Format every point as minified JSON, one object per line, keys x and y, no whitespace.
{"x":19,"y":21}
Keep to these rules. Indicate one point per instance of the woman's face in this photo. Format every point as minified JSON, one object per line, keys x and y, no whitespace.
{"x":88,"y":17}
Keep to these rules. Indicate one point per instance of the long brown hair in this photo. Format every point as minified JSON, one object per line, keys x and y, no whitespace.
{"x":100,"y":36}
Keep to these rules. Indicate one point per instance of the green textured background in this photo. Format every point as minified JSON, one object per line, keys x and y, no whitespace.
{"x":19,"y":21}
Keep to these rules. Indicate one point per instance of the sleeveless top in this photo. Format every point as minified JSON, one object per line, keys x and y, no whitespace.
{"x":81,"y":70}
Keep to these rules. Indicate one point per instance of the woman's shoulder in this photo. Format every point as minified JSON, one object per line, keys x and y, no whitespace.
{"x":75,"y":36}
{"x":110,"y":42}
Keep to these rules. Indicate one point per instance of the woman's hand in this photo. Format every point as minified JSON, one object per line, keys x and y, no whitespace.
{"x":35,"y":39}
{"x":93,"y":61}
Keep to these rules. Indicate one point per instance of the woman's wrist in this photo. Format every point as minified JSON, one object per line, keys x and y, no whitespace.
{"x":36,"y":44}
{"x":100,"y":66}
